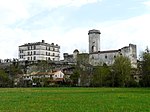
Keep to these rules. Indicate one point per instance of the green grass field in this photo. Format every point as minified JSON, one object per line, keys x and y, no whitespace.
{"x":74,"y":99}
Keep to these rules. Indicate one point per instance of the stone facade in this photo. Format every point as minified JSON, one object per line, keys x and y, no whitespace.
{"x":71,"y":58}
{"x":97,"y":57}
{"x":39,"y":51}
{"x":94,"y":40}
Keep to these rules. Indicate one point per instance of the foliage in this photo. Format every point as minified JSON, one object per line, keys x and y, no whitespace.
{"x":145,"y":66}
{"x":100,"y":74}
{"x":74,"y":77}
{"x":121,"y":71}
{"x":3,"y":78}
{"x":83,"y":69}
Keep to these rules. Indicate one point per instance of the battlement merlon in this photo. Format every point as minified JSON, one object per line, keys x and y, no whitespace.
{"x":94,"y":31}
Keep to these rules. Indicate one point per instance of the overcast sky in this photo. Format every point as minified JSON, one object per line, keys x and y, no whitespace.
{"x":66,"y":22}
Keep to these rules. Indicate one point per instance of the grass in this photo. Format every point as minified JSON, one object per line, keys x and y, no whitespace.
{"x":74,"y":99}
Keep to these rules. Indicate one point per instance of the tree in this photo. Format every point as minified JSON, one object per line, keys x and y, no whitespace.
{"x":75,"y":76}
{"x":145,"y":66}
{"x":121,"y":71}
{"x":3,"y":78}
{"x":82,"y":71}
{"x":100,"y":74}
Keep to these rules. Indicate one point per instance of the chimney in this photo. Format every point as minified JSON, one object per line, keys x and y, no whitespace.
{"x":43,"y":41}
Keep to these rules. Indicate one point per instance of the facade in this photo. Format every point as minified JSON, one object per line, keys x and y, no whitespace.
{"x":97,"y":57}
{"x":39,"y":51}
{"x":49,"y":75}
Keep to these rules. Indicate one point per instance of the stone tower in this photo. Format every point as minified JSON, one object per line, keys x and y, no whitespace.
{"x":94,"y":40}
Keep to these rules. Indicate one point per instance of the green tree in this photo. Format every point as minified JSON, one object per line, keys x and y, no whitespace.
{"x":3,"y":78}
{"x":75,"y":76}
{"x":121,"y":71}
{"x":145,"y":66}
{"x":100,"y":74}
{"x":82,"y":72}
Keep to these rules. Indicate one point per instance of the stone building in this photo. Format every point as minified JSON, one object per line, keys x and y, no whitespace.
{"x":71,"y":58}
{"x":98,"y":57}
{"x":39,"y":51}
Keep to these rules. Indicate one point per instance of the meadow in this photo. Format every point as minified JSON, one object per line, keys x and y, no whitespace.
{"x":74,"y":99}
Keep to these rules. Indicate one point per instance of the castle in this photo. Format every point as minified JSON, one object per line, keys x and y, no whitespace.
{"x":98,"y":57}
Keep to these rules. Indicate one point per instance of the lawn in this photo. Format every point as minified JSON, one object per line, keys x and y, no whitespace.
{"x":74,"y":99}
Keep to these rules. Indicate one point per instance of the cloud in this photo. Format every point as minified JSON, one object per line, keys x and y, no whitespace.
{"x":16,"y":10}
{"x":10,"y":39}
{"x":11,"y":11}
{"x":147,"y":3}
{"x":117,"y":34}
{"x":70,"y":3}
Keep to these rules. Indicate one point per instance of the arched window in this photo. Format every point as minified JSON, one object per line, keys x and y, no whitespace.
{"x":93,"y":48}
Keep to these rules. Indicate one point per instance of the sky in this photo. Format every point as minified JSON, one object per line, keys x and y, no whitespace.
{"x":67,"y":22}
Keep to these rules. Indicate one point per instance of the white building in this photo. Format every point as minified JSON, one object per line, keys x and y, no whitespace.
{"x":52,"y":76}
{"x":39,"y":51}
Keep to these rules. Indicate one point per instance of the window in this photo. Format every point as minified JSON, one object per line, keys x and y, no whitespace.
{"x":21,"y":51}
{"x":114,"y":56}
{"x":46,"y":53}
{"x":28,"y":53}
{"x":93,"y":48}
{"x":105,"y":56}
{"x":53,"y":54}
{"x":34,"y":52}
{"x":34,"y":58}
{"x":49,"y":58}
{"x":28,"y":58}
{"x":34,"y":47}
